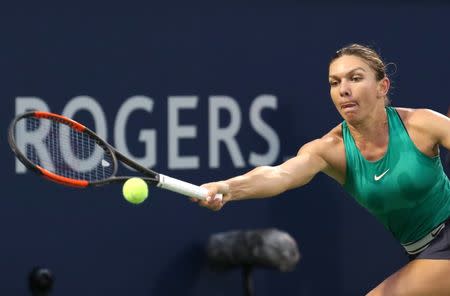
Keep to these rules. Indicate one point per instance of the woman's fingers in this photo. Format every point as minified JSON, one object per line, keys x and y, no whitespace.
{"x":214,"y":200}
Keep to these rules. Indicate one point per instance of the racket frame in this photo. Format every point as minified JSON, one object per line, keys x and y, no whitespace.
{"x":149,"y":175}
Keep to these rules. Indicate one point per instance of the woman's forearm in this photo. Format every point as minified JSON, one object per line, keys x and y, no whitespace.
{"x":263,"y":181}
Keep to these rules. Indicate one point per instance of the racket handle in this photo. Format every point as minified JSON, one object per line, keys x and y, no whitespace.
{"x":183,"y":187}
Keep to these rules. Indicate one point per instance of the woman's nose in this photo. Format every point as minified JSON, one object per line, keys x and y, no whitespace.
{"x":344,"y":89}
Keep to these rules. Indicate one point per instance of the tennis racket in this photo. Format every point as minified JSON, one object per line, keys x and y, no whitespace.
{"x":66,"y":152}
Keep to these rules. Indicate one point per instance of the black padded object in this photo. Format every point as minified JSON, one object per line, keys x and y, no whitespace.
{"x":40,"y":281}
{"x":268,"y":248}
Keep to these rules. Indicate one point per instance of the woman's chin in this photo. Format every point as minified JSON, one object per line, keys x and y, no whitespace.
{"x":352,"y":117}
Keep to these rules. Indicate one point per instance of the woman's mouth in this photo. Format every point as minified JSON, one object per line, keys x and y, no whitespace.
{"x":350,"y":106}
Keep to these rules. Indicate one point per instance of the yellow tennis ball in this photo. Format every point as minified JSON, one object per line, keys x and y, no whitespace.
{"x":135,"y":190}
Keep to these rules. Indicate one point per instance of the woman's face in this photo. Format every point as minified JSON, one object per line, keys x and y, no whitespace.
{"x":354,"y":89}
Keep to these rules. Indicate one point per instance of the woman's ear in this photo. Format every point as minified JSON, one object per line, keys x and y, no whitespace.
{"x":383,"y":87}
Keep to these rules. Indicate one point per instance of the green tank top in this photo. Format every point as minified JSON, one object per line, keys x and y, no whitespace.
{"x":406,"y":190}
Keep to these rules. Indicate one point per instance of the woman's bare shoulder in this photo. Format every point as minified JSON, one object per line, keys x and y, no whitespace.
{"x":405,"y":113}
{"x":334,"y":136}
{"x":325,"y":144}
{"x":417,"y":117}
{"x":333,"y":152}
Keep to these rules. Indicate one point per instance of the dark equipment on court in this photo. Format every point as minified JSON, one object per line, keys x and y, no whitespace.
{"x":266,"y":248}
{"x":40,"y":281}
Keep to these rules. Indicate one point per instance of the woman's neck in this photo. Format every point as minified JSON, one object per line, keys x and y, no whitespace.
{"x":373,"y":129}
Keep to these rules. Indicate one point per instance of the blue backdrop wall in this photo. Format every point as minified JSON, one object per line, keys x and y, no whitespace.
{"x":201,"y":92}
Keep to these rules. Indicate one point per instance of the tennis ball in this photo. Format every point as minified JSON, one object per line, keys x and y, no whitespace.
{"x":135,"y":190}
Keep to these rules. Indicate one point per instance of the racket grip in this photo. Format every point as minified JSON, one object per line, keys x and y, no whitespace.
{"x":183,"y":187}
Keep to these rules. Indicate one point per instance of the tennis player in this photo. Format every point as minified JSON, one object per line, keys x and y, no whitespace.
{"x":387,"y":158}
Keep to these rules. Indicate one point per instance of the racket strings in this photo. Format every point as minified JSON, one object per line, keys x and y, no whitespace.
{"x":63,"y":150}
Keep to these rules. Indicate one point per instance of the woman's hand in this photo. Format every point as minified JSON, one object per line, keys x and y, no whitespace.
{"x":214,"y":202}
